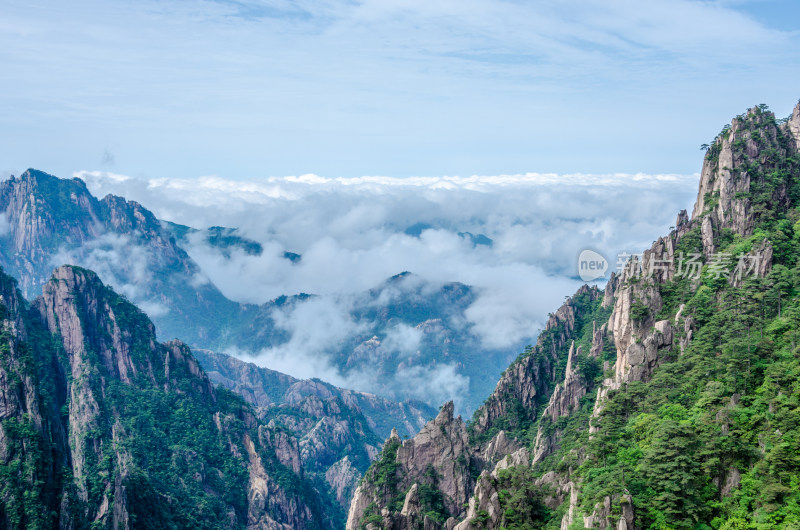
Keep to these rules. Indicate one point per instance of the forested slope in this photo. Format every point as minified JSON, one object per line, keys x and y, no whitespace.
{"x":101,"y":426}
{"x":671,"y":401}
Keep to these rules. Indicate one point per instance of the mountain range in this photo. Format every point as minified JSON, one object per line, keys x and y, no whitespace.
{"x":668,"y":399}
{"x":403,"y":330}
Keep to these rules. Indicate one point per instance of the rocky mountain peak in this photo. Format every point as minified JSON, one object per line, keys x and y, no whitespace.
{"x":33,"y":178}
{"x":127,"y":216}
{"x":36,"y":205}
{"x":90,"y":319}
{"x":438,"y":457}
{"x":49,"y":193}
{"x":69,"y":281}
{"x":445,"y":415}
{"x":734,"y":178}
{"x":58,"y":305}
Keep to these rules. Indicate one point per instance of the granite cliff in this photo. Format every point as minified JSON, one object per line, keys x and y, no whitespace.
{"x":663,"y":401}
{"x":102,"y":426}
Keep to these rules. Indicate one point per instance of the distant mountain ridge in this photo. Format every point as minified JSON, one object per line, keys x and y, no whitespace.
{"x":220,"y":237}
{"x":266,"y":389}
{"x":52,"y":221}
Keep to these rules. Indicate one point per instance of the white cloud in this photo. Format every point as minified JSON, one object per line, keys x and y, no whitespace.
{"x":350,"y":233}
{"x":403,"y":338}
{"x":434,"y":384}
{"x":121,"y":263}
{"x":316,"y":327}
{"x":153,"y":308}
{"x":5,"y":226}
{"x":398,"y":87}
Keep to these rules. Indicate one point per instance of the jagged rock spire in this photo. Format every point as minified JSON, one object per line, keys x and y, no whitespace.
{"x":793,"y":125}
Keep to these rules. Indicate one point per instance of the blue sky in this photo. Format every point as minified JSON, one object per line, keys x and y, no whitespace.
{"x":247,"y":89}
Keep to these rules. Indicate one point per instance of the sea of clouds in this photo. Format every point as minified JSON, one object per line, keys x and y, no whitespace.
{"x":353,"y":233}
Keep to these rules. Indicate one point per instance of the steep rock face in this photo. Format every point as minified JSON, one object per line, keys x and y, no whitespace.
{"x":439,"y":445}
{"x":737,"y":163}
{"x":268,"y":505}
{"x":603,"y":515}
{"x":488,"y":506}
{"x":438,"y":457}
{"x":334,"y":429}
{"x":114,"y":423}
{"x":486,"y":497}
{"x":564,"y":401}
{"x":527,"y":383}
{"x":343,"y":477}
{"x":635,"y":295}
{"x":793,"y":126}
{"x":33,"y":442}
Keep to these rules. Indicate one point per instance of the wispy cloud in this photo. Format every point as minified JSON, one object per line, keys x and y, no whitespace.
{"x":122,"y":262}
{"x":400,"y":87}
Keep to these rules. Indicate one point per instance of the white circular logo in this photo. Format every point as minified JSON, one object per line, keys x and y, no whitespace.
{"x":591,"y":265}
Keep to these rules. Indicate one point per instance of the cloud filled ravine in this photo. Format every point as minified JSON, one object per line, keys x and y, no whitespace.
{"x":330,"y":267}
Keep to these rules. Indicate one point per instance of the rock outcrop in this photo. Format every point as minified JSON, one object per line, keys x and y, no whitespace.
{"x":736,"y":166}
{"x":123,"y":431}
{"x":564,"y":400}
{"x":449,"y":457}
{"x":438,"y":457}
{"x":793,"y":127}
{"x":528,"y":382}
{"x":746,"y":178}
